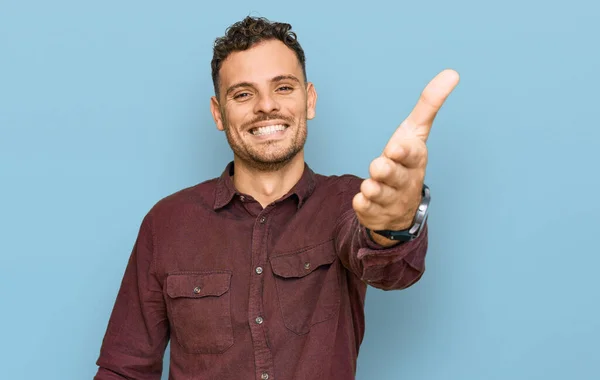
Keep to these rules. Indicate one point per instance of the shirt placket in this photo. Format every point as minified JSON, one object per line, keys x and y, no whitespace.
{"x":262,"y":354}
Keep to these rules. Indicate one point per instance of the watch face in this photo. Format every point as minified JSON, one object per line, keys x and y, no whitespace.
{"x":422,"y":211}
{"x":416,"y":229}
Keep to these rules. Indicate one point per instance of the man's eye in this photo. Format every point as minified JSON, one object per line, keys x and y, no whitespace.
{"x":285,"y":88}
{"x":241,"y":95}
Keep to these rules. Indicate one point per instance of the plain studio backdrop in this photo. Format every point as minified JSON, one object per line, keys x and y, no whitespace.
{"x":104,"y":109}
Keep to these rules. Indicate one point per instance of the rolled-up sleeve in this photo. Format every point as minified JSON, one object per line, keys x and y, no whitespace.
{"x":387,"y":268}
{"x":137,"y":334}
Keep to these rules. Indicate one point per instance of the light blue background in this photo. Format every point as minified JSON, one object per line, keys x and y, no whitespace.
{"x":104,"y":109}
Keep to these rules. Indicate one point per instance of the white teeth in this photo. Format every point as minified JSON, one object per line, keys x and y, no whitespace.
{"x":268,"y":130}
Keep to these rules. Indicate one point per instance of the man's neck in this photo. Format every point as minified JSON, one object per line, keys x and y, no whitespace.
{"x":267,"y":187}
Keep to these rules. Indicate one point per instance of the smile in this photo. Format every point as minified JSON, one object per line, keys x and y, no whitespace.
{"x":270,"y":129}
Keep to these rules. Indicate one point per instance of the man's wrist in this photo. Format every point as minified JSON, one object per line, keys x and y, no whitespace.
{"x":413,"y":230}
{"x":381,"y":240}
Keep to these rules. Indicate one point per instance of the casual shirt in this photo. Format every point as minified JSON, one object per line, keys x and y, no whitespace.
{"x":246,"y":292}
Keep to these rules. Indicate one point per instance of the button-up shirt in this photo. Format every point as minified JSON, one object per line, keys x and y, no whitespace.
{"x":246,"y":292}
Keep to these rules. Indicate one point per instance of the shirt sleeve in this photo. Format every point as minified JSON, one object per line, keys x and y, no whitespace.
{"x":387,"y":268}
{"x":137,"y":334}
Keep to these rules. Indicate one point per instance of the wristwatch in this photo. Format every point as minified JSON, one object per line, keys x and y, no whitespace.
{"x":415,"y":229}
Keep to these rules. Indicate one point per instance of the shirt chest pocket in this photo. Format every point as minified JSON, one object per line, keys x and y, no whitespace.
{"x":200,"y":310}
{"x":308,"y":286}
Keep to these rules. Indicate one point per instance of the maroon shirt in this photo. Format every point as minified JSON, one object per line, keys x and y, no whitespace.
{"x":244,"y":292}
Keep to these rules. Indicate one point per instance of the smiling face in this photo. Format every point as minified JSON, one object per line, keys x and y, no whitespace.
{"x":264,"y":105}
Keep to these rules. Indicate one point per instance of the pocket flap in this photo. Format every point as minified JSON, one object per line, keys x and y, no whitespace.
{"x":301,"y":263}
{"x":198,"y":284}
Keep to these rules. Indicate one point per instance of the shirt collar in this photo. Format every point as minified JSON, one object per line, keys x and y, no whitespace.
{"x":225,"y":190}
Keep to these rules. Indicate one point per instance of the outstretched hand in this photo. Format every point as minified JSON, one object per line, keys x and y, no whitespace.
{"x":389,"y":198}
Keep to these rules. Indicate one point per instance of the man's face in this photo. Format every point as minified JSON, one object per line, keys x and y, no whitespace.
{"x":263,"y":105}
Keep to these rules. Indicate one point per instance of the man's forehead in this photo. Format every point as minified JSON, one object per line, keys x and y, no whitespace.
{"x":261,"y":63}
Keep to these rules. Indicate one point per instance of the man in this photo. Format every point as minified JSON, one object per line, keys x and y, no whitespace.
{"x":262,"y":273}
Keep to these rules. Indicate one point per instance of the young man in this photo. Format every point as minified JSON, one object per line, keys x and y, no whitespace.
{"x":262,"y":273}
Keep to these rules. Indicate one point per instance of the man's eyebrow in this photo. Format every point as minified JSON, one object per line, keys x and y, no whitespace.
{"x":281,"y":78}
{"x":278,"y":78}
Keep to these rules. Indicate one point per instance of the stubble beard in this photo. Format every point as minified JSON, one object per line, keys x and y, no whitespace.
{"x":255,"y":157}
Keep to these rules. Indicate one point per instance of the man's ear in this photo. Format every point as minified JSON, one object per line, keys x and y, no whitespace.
{"x":311,"y":101}
{"x":216,"y":113}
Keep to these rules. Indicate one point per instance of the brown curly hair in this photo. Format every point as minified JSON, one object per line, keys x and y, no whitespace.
{"x":246,"y":33}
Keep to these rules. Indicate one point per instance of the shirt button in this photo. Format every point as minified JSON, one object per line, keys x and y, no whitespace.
{"x":264,"y":376}
{"x":306,"y":265}
{"x":259,"y":270}
{"x":242,"y":198}
{"x":259,"y":320}
{"x":197,"y":289}
{"x":262,"y":219}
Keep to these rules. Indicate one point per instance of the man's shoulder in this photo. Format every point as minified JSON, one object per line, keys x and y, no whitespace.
{"x":338,"y":182}
{"x":199,"y":195}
